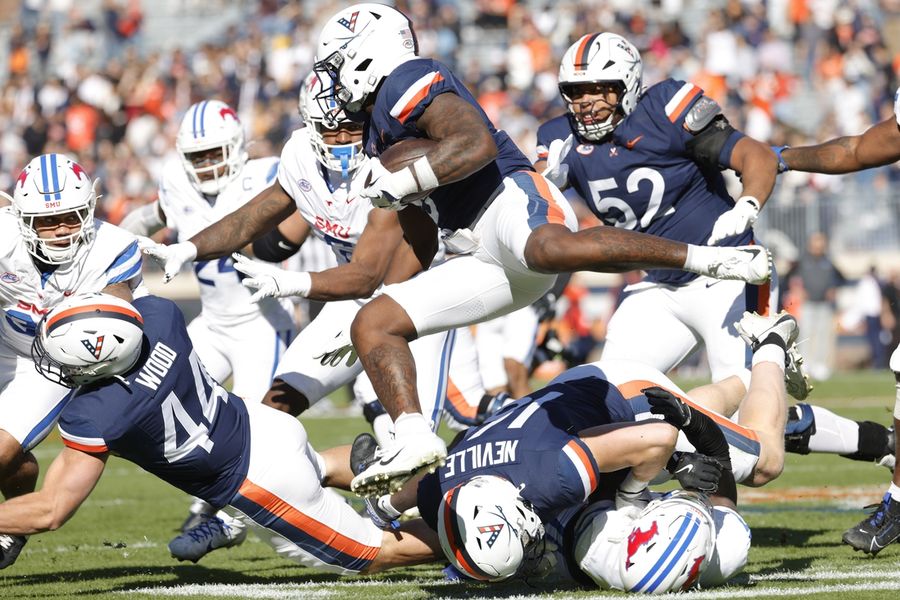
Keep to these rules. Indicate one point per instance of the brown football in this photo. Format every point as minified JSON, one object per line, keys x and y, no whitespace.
{"x":418,"y":228}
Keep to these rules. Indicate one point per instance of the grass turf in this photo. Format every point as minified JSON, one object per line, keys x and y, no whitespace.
{"x":115,"y":546}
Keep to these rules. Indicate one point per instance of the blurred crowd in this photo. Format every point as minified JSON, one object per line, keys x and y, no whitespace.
{"x":91,"y":81}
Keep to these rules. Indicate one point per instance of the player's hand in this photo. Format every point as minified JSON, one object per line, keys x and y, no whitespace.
{"x":540,"y":561}
{"x":386,"y":189}
{"x":172,"y":257}
{"x":736,"y":221}
{"x":666,"y":404}
{"x":556,"y":170}
{"x":270,"y":281}
{"x":698,"y":472}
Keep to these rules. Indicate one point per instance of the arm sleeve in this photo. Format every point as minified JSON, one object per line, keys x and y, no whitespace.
{"x":274,"y":247}
{"x":126,"y":266}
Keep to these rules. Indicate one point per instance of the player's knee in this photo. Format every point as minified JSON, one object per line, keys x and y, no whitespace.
{"x":281,"y":396}
{"x":11,"y":452}
{"x":767,"y":469}
{"x":546,"y":249}
{"x":380,"y":317}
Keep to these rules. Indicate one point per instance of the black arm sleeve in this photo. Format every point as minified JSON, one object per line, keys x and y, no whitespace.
{"x":274,"y":247}
{"x":707,"y":144}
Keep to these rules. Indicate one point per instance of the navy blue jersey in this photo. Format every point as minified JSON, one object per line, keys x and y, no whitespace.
{"x":534,"y":441}
{"x":403,"y":97}
{"x":171,"y":419}
{"x":644,"y":178}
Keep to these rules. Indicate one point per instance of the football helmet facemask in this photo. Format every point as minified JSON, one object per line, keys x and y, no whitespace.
{"x":597,"y":59}
{"x":487,"y":529}
{"x":211,"y":144}
{"x":86,"y":338}
{"x":54,"y":189}
{"x":342,"y":158}
{"x":358,"y":48}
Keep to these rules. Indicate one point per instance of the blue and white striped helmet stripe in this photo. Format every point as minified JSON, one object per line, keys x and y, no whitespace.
{"x":55,"y":173}
{"x":685,"y":524}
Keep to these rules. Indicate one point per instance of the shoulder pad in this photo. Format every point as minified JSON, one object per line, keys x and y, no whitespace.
{"x":704,"y":110}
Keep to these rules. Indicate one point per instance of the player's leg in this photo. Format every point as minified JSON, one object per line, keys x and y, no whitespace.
{"x":813,"y":428}
{"x":520,"y":330}
{"x":882,"y":527}
{"x":646,"y":328}
{"x":319,"y":360}
{"x":489,"y":345}
{"x":210,"y":348}
{"x":468,"y":403}
{"x":254,"y":350}
{"x":29,"y":408}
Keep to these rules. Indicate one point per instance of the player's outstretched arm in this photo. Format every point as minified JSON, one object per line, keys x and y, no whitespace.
{"x":413,"y":543}
{"x":264,"y":212}
{"x":70,"y":479}
{"x":879,"y":145}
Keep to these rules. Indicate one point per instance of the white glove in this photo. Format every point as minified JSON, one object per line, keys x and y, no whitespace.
{"x":269,"y":280}
{"x":556,"y":170}
{"x":736,"y":221}
{"x":171,"y":258}
{"x":386,"y":189}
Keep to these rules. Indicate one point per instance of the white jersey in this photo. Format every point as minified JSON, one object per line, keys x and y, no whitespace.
{"x":335,"y":212}
{"x":225,"y":301}
{"x":27,"y":294}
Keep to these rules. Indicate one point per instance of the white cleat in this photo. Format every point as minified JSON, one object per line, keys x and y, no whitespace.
{"x":213,"y":532}
{"x":395,"y":464}
{"x":755,"y":329}
{"x":752,"y":264}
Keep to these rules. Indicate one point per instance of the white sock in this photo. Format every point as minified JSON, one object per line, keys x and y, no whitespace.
{"x":769,"y":353}
{"x":834,"y":434}
{"x":894,"y":491}
{"x":411,"y":424}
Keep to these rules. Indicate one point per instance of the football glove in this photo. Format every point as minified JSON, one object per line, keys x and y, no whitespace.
{"x":695,"y":471}
{"x":386,"y":189}
{"x":270,"y":281}
{"x":170,"y":257}
{"x":556,"y":170}
{"x":736,"y":221}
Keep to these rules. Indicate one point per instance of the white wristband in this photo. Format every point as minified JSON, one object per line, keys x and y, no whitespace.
{"x":424,"y":174}
{"x":750,"y":200}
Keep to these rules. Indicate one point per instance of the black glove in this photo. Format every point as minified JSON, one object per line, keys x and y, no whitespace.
{"x":10,"y":547}
{"x":665,"y":403}
{"x":696,"y":472}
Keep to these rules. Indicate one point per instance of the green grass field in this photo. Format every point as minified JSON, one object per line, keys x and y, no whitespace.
{"x":115,"y":547}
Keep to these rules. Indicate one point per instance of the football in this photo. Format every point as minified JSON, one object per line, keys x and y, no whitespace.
{"x":404,"y":153}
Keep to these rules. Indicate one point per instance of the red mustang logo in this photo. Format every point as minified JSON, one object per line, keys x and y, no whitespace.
{"x":228,"y":111}
{"x":76,"y":168}
{"x":639,"y":538}
{"x":23,"y":177}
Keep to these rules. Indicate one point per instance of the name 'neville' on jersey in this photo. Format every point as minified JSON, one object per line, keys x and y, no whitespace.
{"x":644,"y":177}
{"x":403,"y":97}
{"x":332,"y":208}
{"x":225,"y":301}
{"x":170,"y":417}
{"x":27,"y":294}
{"x":534,"y":443}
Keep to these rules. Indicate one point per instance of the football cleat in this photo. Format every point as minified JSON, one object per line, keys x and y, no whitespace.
{"x":210,"y":534}
{"x":756,"y":329}
{"x":752,"y":264}
{"x":362,"y":452}
{"x":10,"y":547}
{"x":880,"y":528}
{"x":199,"y":512}
{"x":393,"y":465}
{"x":889,"y":460}
{"x":800,"y":426}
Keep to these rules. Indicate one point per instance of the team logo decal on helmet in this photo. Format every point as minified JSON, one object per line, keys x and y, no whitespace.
{"x":94,"y":348}
{"x":638,"y":538}
{"x":351,"y":22}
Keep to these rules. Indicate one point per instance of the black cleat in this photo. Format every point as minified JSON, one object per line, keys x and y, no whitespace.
{"x":879,"y":529}
{"x":10,"y":547}
{"x":362,"y":452}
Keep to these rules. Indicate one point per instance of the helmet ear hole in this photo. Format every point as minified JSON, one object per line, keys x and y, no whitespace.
{"x":363,"y":65}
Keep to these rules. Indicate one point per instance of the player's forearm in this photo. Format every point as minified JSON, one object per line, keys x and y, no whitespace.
{"x":344,"y":282}
{"x":835,"y":156}
{"x":236,"y":230}
{"x":413,"y":544}
{"x":30,"y":514}
{"x":459,"y":156}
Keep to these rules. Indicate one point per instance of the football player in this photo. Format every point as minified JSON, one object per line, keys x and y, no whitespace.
{"x":148,"y":398}
{"x":512,"y":229}
{"x":51,"y":247}
{"x":877,"y":146}
{"x":212,"y":178}
{"x":650,"y":161}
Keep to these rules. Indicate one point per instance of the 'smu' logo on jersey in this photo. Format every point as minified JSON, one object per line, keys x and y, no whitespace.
{"x":94,"y":348}
{"x":351,"y":23}
{"x":638,"y":538}
{"x":494,"y":530}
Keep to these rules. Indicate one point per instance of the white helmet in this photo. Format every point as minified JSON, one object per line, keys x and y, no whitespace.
{"x":486,"y":528}
{"x":344,"y":158}
{"x":211,"y":125}
{"x":358,"y":47}
{"x":54,"y":184}
{"x":732,"y":547}
{"x":86,"y":338}
{"x":669,"y":544}
{"x":595,"y":58}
